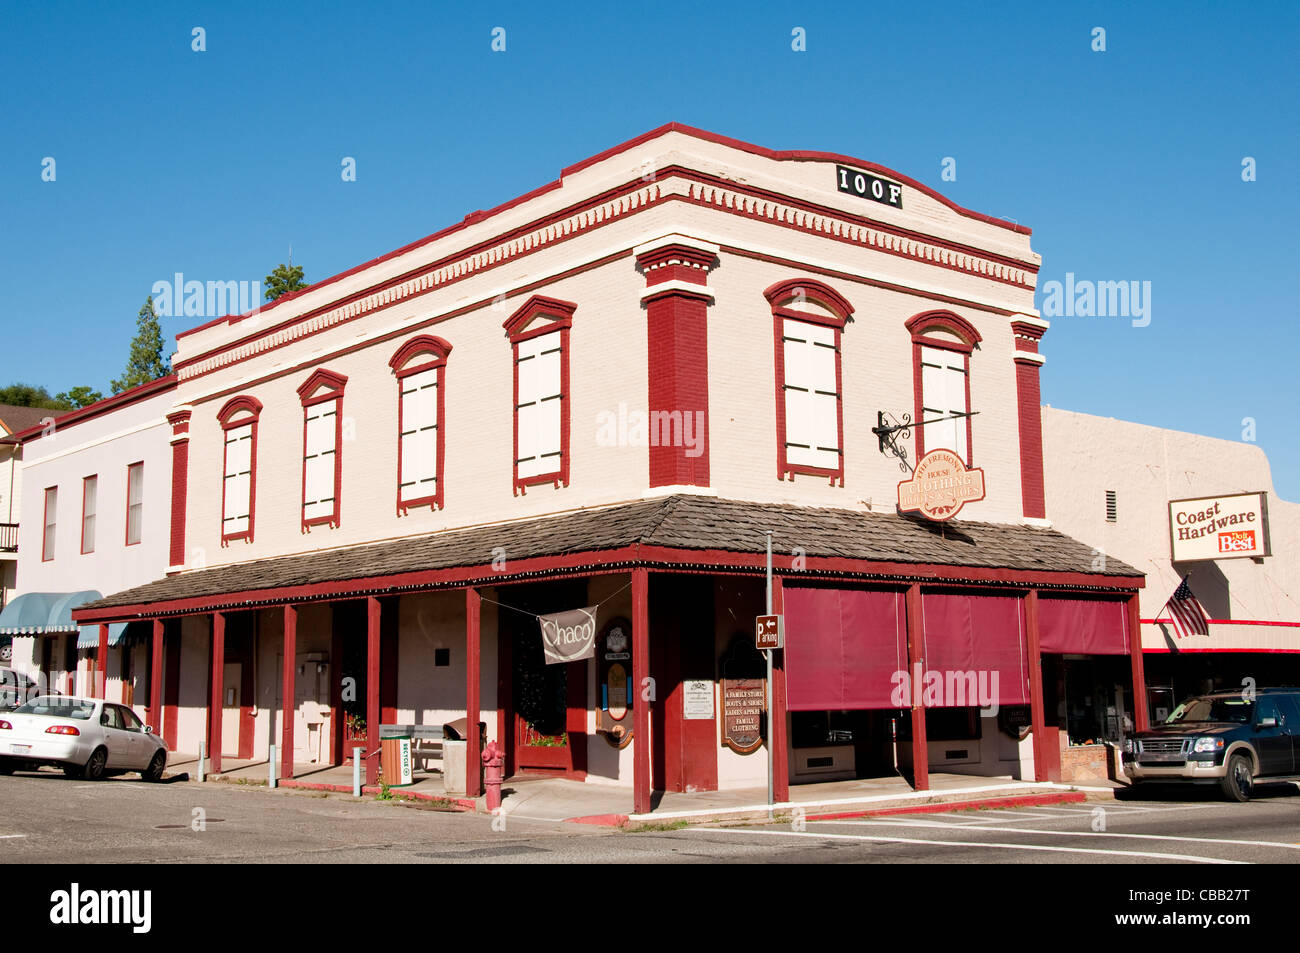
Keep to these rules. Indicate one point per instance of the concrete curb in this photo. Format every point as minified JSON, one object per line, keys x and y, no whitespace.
{"x":461,"y":804}
{"x":1023,"y":800}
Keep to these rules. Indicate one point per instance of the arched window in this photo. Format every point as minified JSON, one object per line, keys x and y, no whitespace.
{"x":419,"y":366}
{"x":942,"y":343}
{"x":539,"y":336}
{"x":322,"y":448}
{"x":238,"y":419}
{"x":808,"y":318}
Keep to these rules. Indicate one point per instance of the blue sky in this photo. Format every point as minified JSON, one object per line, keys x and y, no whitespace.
{"x":1127,"y":163}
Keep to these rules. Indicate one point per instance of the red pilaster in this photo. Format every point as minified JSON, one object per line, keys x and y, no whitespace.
{"x":215,"y":699}
{"x":1028,"y":331}
{"x":916,"y":662}
{"x":640,"y":705}
{"x":1141,"y":721}
{"x":101,"y":666}
{"x":372,"y":689}
{"x":1037,"y":718}
{"x":780,"y":744}
{"x":156,"y":677}
{"x":473,"y":654}
{"x":180,"y":421}
{"x":288,"y":689}
{"x":677,"y":302}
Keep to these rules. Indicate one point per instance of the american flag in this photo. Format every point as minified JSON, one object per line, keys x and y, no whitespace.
{"x":1188,"y":616}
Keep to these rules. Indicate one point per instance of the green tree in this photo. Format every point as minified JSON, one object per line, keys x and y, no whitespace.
{"x":284,"y":279}
{"x":146,"y":362}
{"x":26,"y":395}
{"x":78,"y":397}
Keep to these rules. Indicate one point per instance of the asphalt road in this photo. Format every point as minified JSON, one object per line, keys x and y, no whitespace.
{"x":47,"y":818}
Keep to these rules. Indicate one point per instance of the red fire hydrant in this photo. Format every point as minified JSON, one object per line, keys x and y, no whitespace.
{"x":493,"y":770}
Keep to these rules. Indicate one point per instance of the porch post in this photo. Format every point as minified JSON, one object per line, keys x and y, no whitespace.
{"x":1140,"y":720}
{"x":101,"y":675}
{"x":288,"y":689}
{"x":1037,"y":716}
{"x":473,"y":641}
{"x":779,"y":745}
{"x":215,"y":699}
{"x":156,"y":677}
{"x":372,"y":689}
{"x":916,"y":662}
{"x":640,"y":706}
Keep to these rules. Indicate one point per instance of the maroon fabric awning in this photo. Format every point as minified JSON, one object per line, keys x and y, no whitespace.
{"x":972,"y":634}
{"x":842,"y":647}
{"x":1082,"y":625}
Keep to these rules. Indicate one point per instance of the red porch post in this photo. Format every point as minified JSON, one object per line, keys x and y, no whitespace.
{"x":156,"y":677}
{"x":1140,"y":719}
{"x":779,"y":746}
{"x":1037,"y":717}
{"x":372,"y":689}
{"x":101,"y":674}
{"x":916,"y":662}
{"x":473,"y":657}
{"x":215,"y":700}
{"x":640,"y":684}
{"x":288,"y":690}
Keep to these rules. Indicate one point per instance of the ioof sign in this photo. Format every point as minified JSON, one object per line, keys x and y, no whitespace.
{"x":940,"y":486}
{"x":769,"y":632}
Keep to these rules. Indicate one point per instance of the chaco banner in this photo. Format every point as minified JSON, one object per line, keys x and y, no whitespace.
{"x":569,"y":636}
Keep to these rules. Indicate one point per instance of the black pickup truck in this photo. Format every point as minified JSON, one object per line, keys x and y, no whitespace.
{"x":1232,"y":739}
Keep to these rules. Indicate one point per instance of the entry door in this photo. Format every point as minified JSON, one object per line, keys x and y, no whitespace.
{"x":541,"y":707}
{"x":233,"y":682}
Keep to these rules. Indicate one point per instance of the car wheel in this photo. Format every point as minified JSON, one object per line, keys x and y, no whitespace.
{"x":1236,"y":784}
{"x":155,"y":770}
{"x":98,"y":761}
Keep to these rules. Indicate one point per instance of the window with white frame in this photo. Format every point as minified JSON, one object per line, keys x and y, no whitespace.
{"x":237,"y":488}
{"x":539,"y":406}
{"x":943,"y":395}
{"x":51,"y":522}
{"x":89,"y":502}
{"x":812,"y":398}
{"x":419,"y":436}
{"x":320,"y":462}
{"x":134,"y":503}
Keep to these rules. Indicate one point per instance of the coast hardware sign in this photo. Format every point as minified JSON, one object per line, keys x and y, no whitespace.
{"x":1219,"y":527}
{"x":940,"y":486}
{"x":569,"y":636}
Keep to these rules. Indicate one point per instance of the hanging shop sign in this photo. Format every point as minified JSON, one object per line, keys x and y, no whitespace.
{"x":614,"y":682}
{"x":1219,"y":527}
{"x":744,"y":696}
{"x":569,"y":636}
{"x":940,"y":486}
{"x":867,"y":186}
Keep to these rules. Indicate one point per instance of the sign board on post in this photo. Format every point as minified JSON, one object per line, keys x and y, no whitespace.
{"x":1219,"y":527}
{"x":769,"y":632}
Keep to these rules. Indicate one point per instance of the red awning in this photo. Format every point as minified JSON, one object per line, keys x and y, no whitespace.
{"x":1082,"y":625}
{"x":842,"y":647}
{"x":972,"y":634}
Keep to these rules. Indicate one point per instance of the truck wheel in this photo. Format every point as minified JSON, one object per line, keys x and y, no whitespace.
{"x":1236,"y":784}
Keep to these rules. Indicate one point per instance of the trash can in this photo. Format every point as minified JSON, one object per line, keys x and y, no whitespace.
{"x":395,"y":761}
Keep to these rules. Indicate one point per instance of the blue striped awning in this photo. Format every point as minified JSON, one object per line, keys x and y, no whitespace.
{"x":50,"y":613}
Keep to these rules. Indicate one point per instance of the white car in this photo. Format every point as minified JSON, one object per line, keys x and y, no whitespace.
{"x":86,"y":737}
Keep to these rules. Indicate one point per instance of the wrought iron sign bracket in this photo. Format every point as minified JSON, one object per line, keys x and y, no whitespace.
{"x":889,"y":431}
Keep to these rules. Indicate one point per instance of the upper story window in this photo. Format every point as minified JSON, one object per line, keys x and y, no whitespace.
{"x":322,"y":448}
{"x":50,"y":518}
{"x":539,"y":334}
{"x":89,"y":502}
{"x":808,"y":319}
{"x":134,"y":503}
{"x":419,"y":366}
{"x":238,"y":419}
{"x":942,"y":344}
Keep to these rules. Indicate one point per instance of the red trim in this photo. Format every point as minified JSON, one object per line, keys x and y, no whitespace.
{"x":180,"y":497}
{"x":777,"y":295}
{"x":403,"y":365}
{"x":156,"y":677}
{"x":84,"y":481}
{"x":677,"y":384}
{"x":127,"y":531}
{"x":1140,"y":720}
{"x":172,"y":691}
{"x":241,"y":407}
{"x":919,"y":324}
{"x":1225,"y":622}
{"x":334,"y":384}
{"x":1037,"y":712}
{"x":373,"y":687}
{"x":288,"y":690}
{"x":100,"y":667}
{"x":1181,"y":650}
{"x":473,"y":670}
{"x":779,"y":745}
{"x":46,"y":556}
{"x":916,"y":662}
{"x":918,"y":391}
{"x":216,"y":700}
{"x":559,"y":315}
{"x":1033,"y":492}
{"x":640,"y":707}
{"x":99,"y":407}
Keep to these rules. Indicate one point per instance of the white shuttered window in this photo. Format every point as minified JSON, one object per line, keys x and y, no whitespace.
{"x":943,"y":393}
{"x":238,"y":479}
{"x":320,"y":460}
{"x":812,"y":398}
{"x":419,"y":435}
{"x":538,"y":414}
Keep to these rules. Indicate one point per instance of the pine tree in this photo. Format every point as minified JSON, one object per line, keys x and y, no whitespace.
{"x":146,"y":362}
{"x":283,"y":280}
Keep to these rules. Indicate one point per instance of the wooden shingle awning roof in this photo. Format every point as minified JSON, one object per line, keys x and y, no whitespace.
{"x":698,"y":533}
